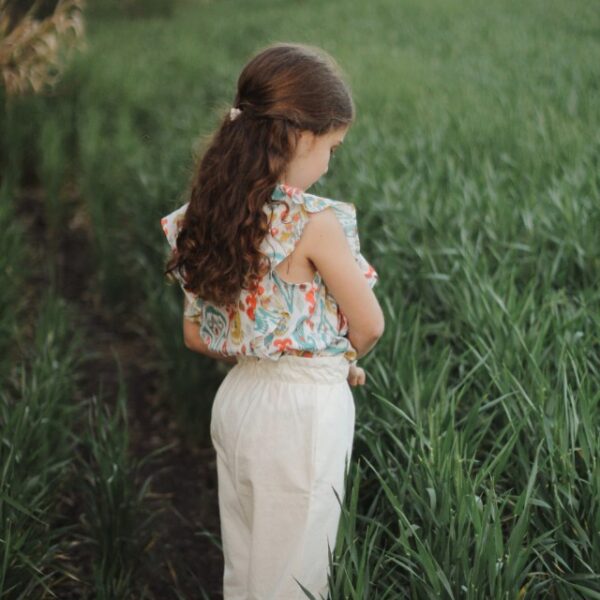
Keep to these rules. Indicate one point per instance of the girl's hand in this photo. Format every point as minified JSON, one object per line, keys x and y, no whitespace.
{"x":356,"y":375}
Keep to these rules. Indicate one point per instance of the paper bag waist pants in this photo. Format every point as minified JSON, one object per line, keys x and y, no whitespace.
{"x":283,"y":433}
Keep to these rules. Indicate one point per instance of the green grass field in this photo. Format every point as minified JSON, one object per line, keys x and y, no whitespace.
{"x":474,"y":165}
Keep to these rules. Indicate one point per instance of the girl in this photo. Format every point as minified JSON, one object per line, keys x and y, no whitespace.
{"x":274,"y":282}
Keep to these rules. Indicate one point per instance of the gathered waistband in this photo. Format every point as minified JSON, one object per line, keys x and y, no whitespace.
{"x":290,"y":368}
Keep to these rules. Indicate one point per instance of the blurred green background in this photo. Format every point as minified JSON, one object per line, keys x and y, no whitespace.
{"x":474,"y":166}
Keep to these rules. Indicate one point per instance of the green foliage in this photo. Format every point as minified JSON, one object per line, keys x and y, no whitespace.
{"x":116,"y":519}
{"x":36,"y":445}
{"x":474,"y":167}
{"x":12,"y":266}
{"x":131,"y":8}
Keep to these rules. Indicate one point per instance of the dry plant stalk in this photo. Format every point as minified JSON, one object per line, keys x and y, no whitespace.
{"x":30,"y":52}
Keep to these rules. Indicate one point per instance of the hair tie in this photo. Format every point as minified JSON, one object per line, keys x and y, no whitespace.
{"x":234,"y":113}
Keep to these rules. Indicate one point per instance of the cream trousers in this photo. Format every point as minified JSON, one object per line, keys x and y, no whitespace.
{"x":283,"y":433}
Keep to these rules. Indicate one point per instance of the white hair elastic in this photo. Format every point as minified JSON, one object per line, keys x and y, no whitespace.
{"x":234,"y":113}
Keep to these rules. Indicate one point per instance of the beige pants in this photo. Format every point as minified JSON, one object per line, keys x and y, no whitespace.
{"x":283,"y":433}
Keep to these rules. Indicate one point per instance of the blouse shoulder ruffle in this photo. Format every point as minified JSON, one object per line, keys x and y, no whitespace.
{"x":286,"y":225}
{"x":171,"y":224}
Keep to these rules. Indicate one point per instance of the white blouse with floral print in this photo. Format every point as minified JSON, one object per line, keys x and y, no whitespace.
{"x":280,"y":317}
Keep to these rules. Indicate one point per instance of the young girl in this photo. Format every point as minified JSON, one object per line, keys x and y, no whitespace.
{"x":274,"y":282}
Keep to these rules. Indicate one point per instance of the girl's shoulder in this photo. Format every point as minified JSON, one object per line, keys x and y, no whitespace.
{"x":307,"y":203}
{"x":286,"y":228}
{"x":311,"y":202}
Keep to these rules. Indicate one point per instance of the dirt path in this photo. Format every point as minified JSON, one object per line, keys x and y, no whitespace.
{"x":181,"y":559}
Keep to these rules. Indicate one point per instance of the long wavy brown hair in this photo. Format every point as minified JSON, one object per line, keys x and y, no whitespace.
{"x":283,"y":90}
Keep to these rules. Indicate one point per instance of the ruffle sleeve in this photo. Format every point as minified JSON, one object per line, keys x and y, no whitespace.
{"x":286,"y":228}
{"x":171,"y":225}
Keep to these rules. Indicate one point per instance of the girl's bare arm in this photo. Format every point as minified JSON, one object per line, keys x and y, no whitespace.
{"x":328,"y":249}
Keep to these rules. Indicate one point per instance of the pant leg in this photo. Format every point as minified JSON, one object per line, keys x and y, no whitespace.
{"x":235,"y":534}
{"x":290,"y":454}
{"x":281,"y":448}
{"x":335,"y":432}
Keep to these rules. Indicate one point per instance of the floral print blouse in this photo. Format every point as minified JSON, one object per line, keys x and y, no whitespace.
{"x":280,"y":317}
